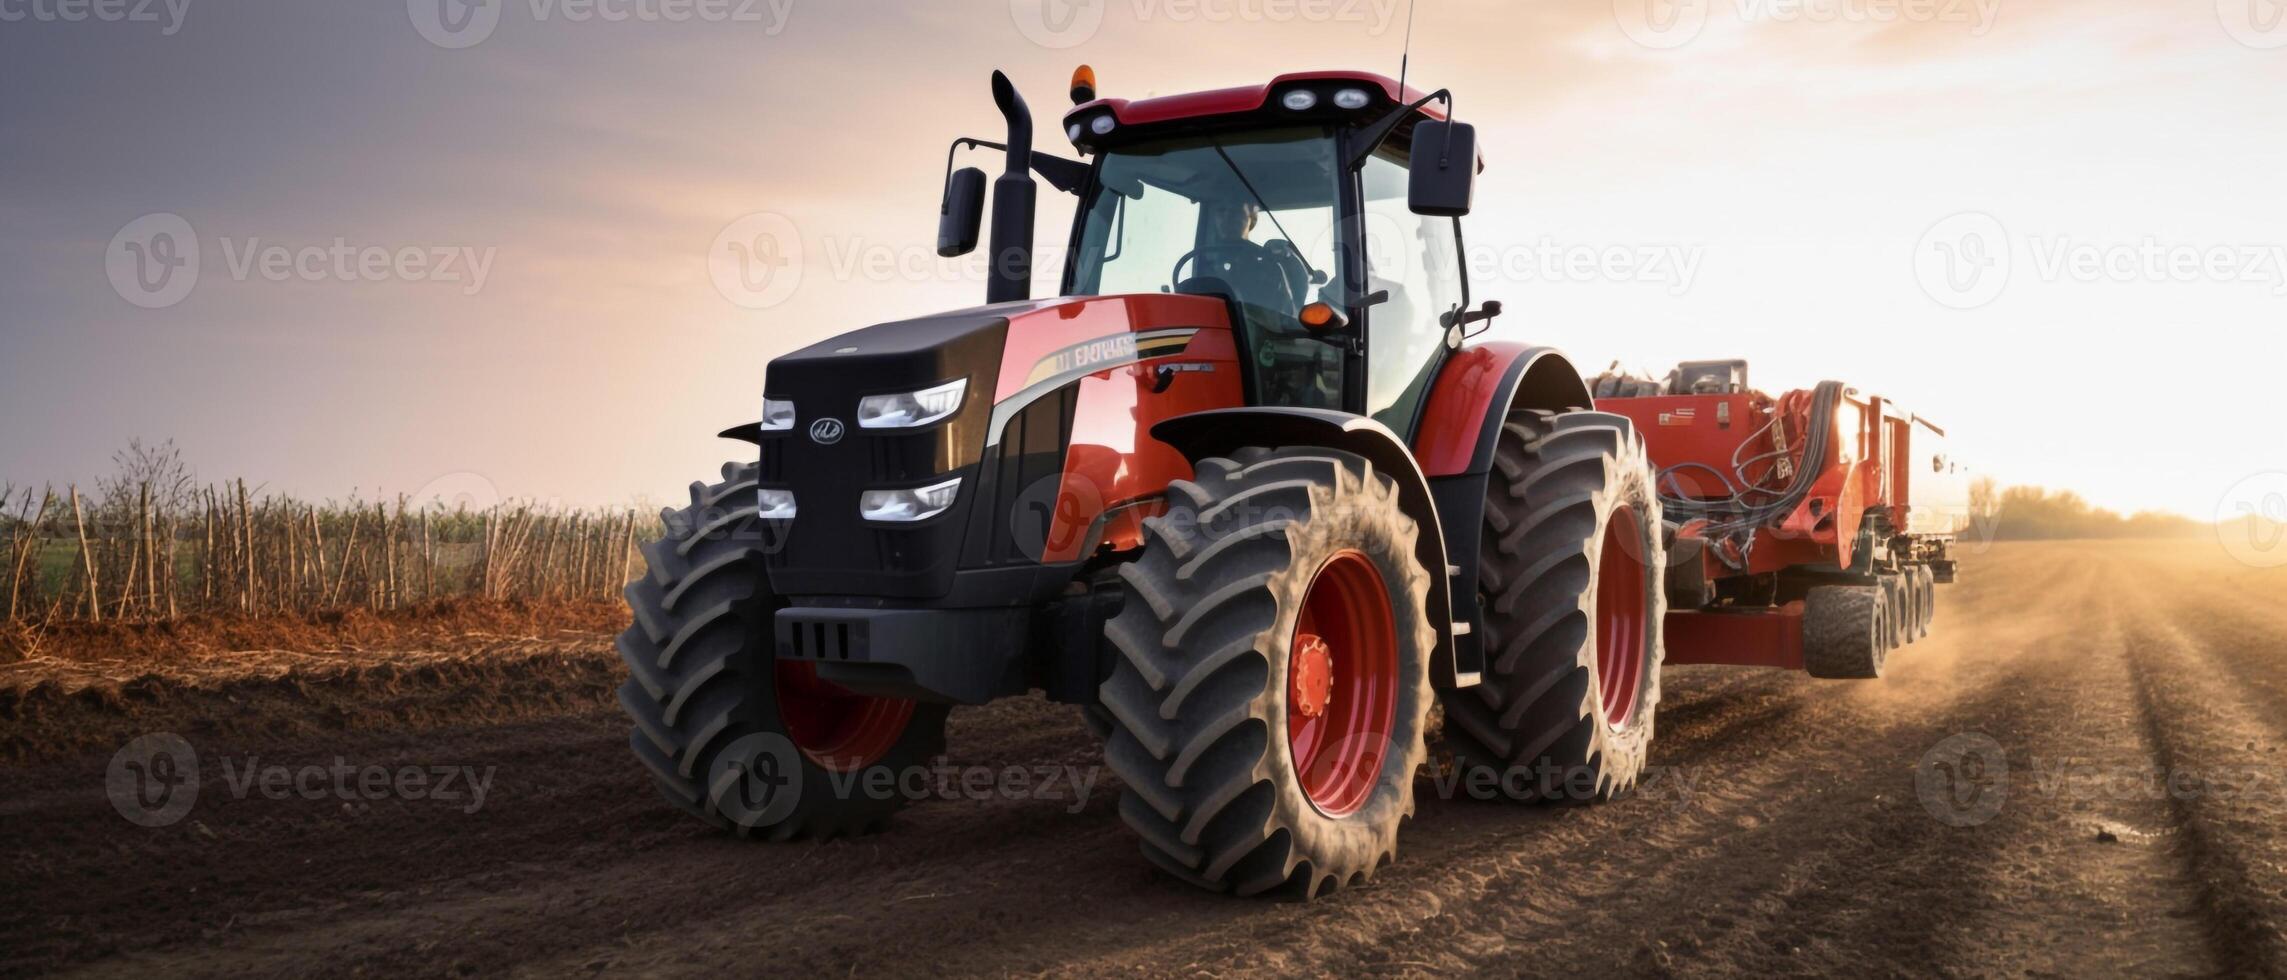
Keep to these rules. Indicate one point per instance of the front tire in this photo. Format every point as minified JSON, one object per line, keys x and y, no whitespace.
{"x":729,"y":734}
{"x":1268,"y":702}
{"x":1570,"y":581}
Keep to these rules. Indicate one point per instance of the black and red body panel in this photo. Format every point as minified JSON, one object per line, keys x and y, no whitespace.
{"x":1052,"y":444}
{"x":1058,"y":466}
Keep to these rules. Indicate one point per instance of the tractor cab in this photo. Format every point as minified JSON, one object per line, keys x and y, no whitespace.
{"x":1299,"y":204}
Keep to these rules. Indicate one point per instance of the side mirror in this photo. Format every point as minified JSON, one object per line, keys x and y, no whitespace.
{"x":962,"y":213}
{"x":1443,"y":168}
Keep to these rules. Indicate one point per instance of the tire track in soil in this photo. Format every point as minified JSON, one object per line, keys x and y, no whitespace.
{"x":2201,"y":723}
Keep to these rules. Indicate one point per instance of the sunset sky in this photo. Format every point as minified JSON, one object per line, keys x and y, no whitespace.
{"x":1814,"y":167}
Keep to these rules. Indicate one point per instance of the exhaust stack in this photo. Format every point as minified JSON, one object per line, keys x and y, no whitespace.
{"x":1010,"y":250}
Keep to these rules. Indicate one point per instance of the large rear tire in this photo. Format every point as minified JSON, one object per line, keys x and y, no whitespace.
{"x":1268,"y":700}
{"x":1570,"y":580}
{"x":729,"y":734}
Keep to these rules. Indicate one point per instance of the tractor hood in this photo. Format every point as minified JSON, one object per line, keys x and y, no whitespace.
{"x":1022,"y":364}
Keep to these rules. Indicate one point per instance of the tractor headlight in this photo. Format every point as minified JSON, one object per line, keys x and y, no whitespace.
{"x":776,"y":505}
{"x":905,"y":506}
{"x":1299,"y":99}
{"x":907,"y":409}
{"x":777,"y":416}
{"x":1102,"y":124}
{"x":1351,"y":98}
{"x":1073,"y":131}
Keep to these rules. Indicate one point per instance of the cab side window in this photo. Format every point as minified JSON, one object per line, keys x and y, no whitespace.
{"x":1418,"y":259}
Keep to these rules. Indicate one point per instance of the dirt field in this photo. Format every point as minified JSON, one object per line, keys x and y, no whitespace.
{"x":1795,"y":826}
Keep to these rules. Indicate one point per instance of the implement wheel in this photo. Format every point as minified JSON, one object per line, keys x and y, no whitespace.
{"x":1845,"y":635}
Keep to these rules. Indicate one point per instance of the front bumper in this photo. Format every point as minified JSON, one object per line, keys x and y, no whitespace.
{"x":966,"y":656}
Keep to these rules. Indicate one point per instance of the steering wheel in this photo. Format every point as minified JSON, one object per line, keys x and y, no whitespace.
{"x":1243,"y":250}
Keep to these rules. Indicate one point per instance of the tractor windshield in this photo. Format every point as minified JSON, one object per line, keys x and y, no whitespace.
{"x":1246,"y":216}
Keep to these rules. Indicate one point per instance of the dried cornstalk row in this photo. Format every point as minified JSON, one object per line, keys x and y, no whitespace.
{"x":127,"y":553}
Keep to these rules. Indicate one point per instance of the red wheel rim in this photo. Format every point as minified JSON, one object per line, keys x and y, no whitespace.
{"x":835,"y":728}
{"x":1342,"y":684}
{"x":1620,"y":627}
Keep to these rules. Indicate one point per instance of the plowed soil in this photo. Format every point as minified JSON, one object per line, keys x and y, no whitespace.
{"x":2131,"y":817}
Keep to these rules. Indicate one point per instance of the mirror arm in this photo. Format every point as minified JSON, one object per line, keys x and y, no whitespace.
{"x":1064,"y":175}
{"x":1383,"y":127}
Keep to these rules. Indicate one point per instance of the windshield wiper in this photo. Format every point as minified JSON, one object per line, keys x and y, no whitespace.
{"x":1267,"y":212}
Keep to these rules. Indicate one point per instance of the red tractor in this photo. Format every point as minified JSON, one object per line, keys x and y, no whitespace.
{"x":1247,"y":492}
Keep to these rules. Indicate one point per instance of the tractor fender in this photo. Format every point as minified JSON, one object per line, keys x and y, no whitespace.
{"x":1477,"y":388}
{"x":1223,"y":431}
{"x":1474,"y":393}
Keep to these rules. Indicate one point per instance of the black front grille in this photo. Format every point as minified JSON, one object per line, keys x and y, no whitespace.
{"x":830,"y":550}
{"x":1020,"y":477}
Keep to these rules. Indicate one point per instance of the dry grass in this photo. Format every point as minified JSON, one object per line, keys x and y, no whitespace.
{"x":147,"y":548}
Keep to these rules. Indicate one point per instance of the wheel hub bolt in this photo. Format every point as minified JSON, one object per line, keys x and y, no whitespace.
{"x":1310,"y":675}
